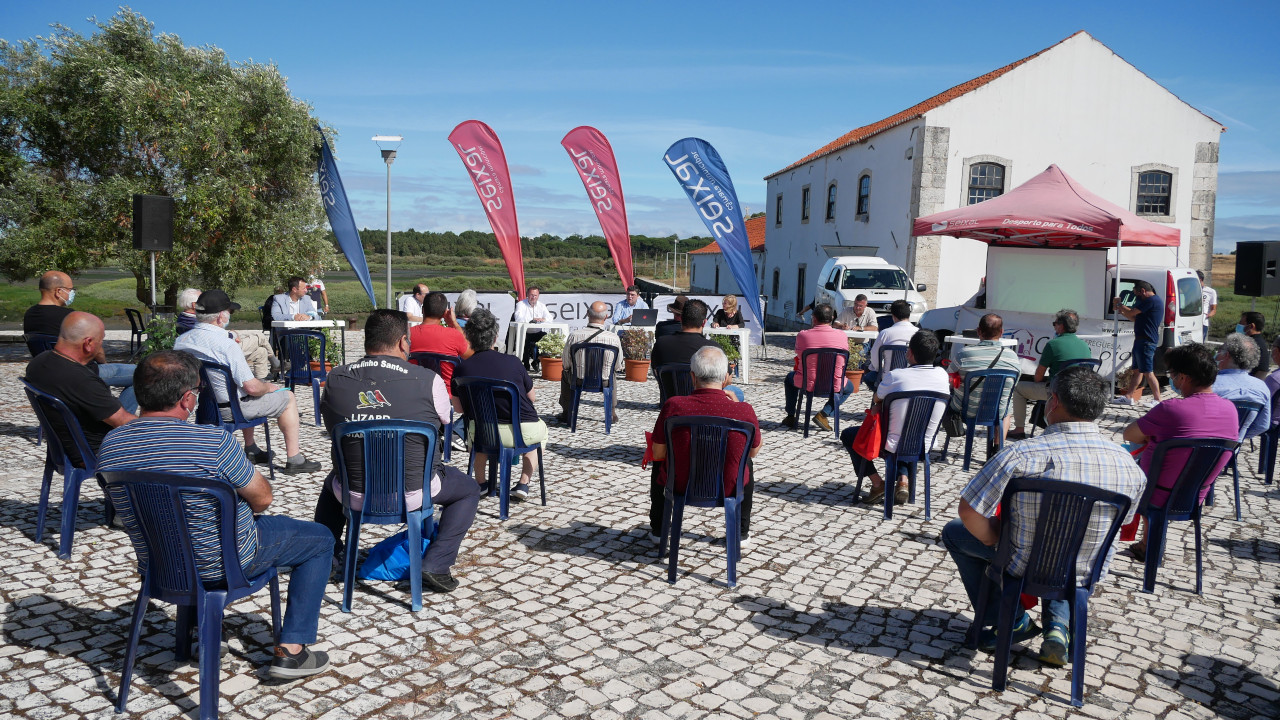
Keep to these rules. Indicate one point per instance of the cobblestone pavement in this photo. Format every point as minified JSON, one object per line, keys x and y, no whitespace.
{"x":564,"y":610}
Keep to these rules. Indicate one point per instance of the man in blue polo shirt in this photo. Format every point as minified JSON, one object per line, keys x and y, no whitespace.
{"x":1146,"y":313}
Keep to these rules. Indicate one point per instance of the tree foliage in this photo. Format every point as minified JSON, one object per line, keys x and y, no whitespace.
{"x":87,"y":122}
{"x":474,"y":243}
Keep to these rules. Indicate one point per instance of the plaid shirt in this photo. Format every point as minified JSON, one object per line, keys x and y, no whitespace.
{"x":1074,"y":452}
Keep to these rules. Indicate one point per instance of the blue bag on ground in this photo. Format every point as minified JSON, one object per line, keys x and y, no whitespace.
{"x":389,"y":559}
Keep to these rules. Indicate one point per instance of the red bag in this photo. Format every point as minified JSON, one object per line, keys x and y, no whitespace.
{"x":870,"y":438}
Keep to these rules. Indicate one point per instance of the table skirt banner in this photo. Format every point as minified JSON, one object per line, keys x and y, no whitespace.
{"x":1033,"y":330}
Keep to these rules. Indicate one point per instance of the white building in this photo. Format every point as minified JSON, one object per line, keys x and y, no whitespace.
{"x":708,"y":273}
{"x":1077,"y":104}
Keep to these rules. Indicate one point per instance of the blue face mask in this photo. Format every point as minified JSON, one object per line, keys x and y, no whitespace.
{"x":1239,"y":328}
{"x":71,"y":296}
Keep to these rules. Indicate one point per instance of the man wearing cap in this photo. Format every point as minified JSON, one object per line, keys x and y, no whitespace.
{"x":209,"y":341}
{"x":672,"y":326}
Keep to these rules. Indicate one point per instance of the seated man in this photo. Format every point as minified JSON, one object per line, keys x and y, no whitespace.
{"x":258,"y":399}
{"x":411,"y":303}
{"x":402,"y":391}
{"x":66,"y":375}
{"x":168,"y":386}
{"x":899,"y":333}
{"x":293,"y":304}
{"x":680,"y":347}
{"x":485,"y":362}
{"x":623,"y":308}
{"x":1237,"y":356}
{"x":988,"y":354}
{"x":856,"y":315}
{"x":821,"y":335}
{"x":710,"y":370}
{"x":1070,"y":450}
{"x":920,"y":374}
{"x":674,"y":325}
{"x":256,"y":346}
{"x":594,"y":332}
{"x":1251,"y":324}
{"x":1064,"y":346}
{"x":57,"y":292}
{"x":186,"y":319}
{"x":531,"y":310}
{"x":439,"y":332}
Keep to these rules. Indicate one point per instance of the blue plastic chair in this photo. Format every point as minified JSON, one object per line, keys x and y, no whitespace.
{"x":296,"y":346}
{"x":897,"y":358}
{"x":46,"y":408}
{"x":824,"y":381}
{"x":1267,"y":444}
{"x":1065,"y":511}
{"x":990,"y":411}
{"x":36,"y":344}
{"x":595,"y":371}
{"x":913,"y":446}
{"x":479,"y":403}
{"x":382,"y":459}
{"x":432,"y":361}
{"x":704,"y":487}
{"x":154,"y":515}
{"x":1184,"y":498}
{"x":208,"y":411}
{"x":1246,"y":412}
{"x":674,"y":380}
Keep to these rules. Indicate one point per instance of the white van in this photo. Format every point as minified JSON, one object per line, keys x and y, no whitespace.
{"x":844,"y":278}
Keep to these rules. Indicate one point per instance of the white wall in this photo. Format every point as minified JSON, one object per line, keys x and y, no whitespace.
{"x":704,"y":265}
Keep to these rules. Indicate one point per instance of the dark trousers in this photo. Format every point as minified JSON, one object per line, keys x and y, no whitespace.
{"x":862,"y":466}
{"x":658,"y":502}
{"x":458,"y":498}
{"x":530,"y":357}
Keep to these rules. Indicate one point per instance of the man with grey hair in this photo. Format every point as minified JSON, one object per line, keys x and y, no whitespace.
{"x":1063,"y":347}
{"x":597,"y":315}
{"x":1237,"y":356}
{"x":710,"y":369}
{"x":256,"y":346}
{"x":209,"y":341}
{"x":186,"y":309}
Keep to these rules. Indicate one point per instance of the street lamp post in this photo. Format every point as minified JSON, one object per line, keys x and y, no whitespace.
{"x":388,"y":156}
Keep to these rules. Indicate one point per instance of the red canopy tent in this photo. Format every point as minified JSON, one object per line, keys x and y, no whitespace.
{"x":1054,"y":211}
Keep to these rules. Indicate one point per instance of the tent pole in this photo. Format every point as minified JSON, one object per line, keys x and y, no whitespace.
{"x":1115,"y":325}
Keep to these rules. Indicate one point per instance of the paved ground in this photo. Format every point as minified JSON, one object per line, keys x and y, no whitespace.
{"x":564,"y":610}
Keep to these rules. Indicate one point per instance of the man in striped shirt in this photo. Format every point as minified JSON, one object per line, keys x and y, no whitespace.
{"x":1071,"y":449}
{"x":167,"y":384}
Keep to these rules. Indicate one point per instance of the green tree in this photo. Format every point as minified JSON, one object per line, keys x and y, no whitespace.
{"x":87,"y":122}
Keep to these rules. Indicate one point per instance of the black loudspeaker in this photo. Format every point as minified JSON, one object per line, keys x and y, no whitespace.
{"x":153,"y":223}
{"x":1257,"y":269}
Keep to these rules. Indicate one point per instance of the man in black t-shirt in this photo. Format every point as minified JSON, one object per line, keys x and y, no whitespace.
{"x":680,"y":347}
{"x":64,"y":373}
{"x":385,"y":385}
{"x":57,"y":292}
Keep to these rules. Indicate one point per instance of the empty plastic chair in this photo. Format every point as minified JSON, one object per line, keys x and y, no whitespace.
{"x":991,"y":386}
{"x":137,"y":329}
{"x":306,"y":366}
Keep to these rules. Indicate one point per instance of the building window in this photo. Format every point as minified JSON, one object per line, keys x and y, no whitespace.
{"x":800,"y":286}
{"x":804,"y":204}
{"x":986,"y":180}
{"x":1153,"y":188}
{"x":831,"y":202}
{"x":777,"y":210}
{"x":777,"y":279}
{"x":864,"y":194}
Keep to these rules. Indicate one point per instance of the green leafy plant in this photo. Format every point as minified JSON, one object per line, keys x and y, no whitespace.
{"x":551,"y":345}
{"x":728,"y":343}
{"x":636,"y":344}
{"x":857,"y":354}
{"x":332,"y":347}
{"x":162,"y":332}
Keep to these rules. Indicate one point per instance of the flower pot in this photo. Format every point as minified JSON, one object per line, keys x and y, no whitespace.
{"x":636,"y":370}
{"x":552,"y":368}
{"x":855,"y":377}
{"x":315,"y":365}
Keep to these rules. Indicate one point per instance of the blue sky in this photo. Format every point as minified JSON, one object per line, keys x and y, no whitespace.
{"x":766,"y":83}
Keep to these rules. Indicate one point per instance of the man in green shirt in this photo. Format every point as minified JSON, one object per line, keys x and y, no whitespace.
{"x":1063,"y":347}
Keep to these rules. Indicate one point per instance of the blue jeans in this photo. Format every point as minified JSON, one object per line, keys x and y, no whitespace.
{"x":737,"y":392}
{"x":972,"y":559}
{"x":116,"y":374}
{"x":792,"y":395}
{"x":307,"y":547}
{"x":128,"y":401}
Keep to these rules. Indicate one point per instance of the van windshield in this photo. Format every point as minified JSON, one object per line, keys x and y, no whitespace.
{"x":874,"y":279}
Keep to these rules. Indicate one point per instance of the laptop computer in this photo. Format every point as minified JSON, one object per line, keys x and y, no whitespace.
{"x":644,"y":318}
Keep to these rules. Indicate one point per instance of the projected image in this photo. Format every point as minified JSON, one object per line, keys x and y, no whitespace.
{"x":1044,"y":281}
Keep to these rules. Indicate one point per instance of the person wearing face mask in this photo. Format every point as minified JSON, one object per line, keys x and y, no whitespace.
{"x":209,"y":341}
{"x":1251,"y":324}
{"x":57,"y":292}
{"x":1196,"y":412}
{"x":1235,"y":357}
{"x":385,"y":385}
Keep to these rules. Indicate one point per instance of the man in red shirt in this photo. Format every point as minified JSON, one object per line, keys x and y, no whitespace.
{"x":710,"y":369}
{"x":821,"y":335}
{"x":433,"y":336}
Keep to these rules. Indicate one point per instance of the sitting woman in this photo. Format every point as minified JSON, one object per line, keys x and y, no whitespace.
{"x":1197,"y":413}
{"x":728,"y":316}
{"x":482,"y":332}
{"x":466,"y":304}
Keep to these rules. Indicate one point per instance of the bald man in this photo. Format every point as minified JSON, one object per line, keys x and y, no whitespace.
{"x":57,"y":291}
{"x":65,"y":373}
{"x":598,"y":314}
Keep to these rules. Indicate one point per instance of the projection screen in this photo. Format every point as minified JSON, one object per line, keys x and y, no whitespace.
{"x":1045,"y":281}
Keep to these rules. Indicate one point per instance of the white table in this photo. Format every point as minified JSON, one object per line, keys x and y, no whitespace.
{"x":744,"y":347}
{"x":315,"y":325}
{"x":517,"y":330}
{"x":861,"y":334}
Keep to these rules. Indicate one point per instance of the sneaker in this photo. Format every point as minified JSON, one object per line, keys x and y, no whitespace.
{"x":1054,"y":649}
{"x":458,"y":444}
{"x":789,"y":422}
{"x":306,"y":466}
{"x":655,"y":538}
{"x":520,"y":492}
{"x":823,"y":422}
{"x":1015,"y":435}
{"x":440,"y":582}
{"x":900,"y":495}
{"x":257,"y":455}
{"x":1023,"y":630}
{"x":744,"y":539}
{"x":1122,"y":400}
{"x":306,"y":663}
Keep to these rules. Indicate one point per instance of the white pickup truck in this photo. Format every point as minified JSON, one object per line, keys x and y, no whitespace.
{"x":844,"y":278}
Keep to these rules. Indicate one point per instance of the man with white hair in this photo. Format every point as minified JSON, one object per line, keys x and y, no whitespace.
{"x":186,"y":304}
{"x":1236,"y":357}
{"x":710,"y":370}
{"x":597,"y":315}
{"x":209,"y":341}
{"x":256,"y":346}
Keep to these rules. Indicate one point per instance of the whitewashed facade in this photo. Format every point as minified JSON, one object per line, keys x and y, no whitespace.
{"x":1076,"y":104}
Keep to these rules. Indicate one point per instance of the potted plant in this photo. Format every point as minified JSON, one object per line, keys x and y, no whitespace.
{"x":550,"y":352}
{"x":636,"y":345}
{"x":857,"y":356}
{"x":729,"y":343}
{"x":332,"y":350}
{"x":162,"y":332}
{"x":1122,"y":381}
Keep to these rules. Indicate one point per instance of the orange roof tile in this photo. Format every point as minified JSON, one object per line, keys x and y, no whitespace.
{"x":755,"y":236}
{"x":915,"y":111}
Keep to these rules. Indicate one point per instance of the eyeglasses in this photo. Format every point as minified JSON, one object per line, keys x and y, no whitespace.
{"x":195,"y":389}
